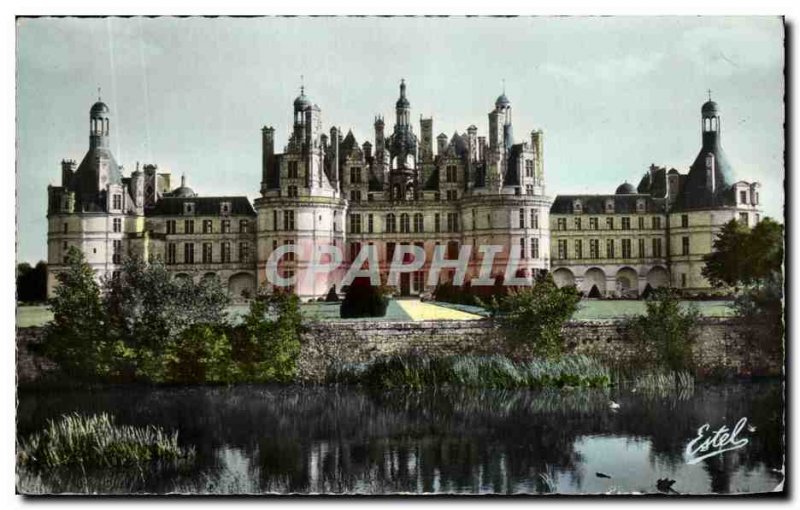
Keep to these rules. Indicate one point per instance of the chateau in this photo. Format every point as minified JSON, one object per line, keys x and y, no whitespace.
{"x":470,"y":191}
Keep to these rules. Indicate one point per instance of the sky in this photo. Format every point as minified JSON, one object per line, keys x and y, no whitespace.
{"x":612,"y":94}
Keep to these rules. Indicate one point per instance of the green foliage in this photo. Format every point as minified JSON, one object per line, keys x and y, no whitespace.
{"x":267,"y":344}
{"x":32,"y":282}
{"x":533,"y":316}
{"x":200,"y":354}
{"x":668,"y":328}
{"x":742,"y":256}
{"x":499,"y":372}
{"x":96,"y":441}
{"x":77,"y":338}
{"x":363,"y":299}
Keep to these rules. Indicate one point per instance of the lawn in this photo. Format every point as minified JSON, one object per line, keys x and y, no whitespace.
{"x":588,"y":310}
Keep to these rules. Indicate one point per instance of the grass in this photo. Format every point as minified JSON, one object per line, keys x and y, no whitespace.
{"x":499,"y":372}
{"x":97,"y":441}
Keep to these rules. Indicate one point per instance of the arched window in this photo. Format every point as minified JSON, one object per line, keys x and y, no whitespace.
{"x":404,"y":224}
{"x":391,"y":225}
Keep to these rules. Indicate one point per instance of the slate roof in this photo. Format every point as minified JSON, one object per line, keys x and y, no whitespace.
{"x":596,"y":204}
{"x":204,"y":206}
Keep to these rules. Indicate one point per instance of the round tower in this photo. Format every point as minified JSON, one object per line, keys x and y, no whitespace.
{"x":99,"y":120}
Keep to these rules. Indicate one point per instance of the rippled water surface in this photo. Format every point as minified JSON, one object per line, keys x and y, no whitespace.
{"x":257,"y":439}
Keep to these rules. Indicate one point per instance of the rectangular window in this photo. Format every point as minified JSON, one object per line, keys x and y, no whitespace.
{"x":593,"y":224}
{"x":534,"y":218}
{"x":743,"y":197}
{"x":744,"y":218}
{"x":578,"y":249}
{"x":562,"y":248}
{"x":370,"y":223}
{"x":355,"y":223}
{"x":419,"y":223}
{"x":225,"y":226}
{"x":207,"y":226}
{"x":289,"y":255}
{"x":244,"y":252}
{"x":355,"y":195}
{"x":535,"y":247}
{"x":626,"y":223}
{"x":594,"y":248}
{"x":641,"y":222}
{"x":291,"y":191}
{"x":244,"y":226}
{"x":577,"y":223}
{"x":288,"y":220}
{"x":452,"y":173}
{"x":171,"y":251}
{"x":207,"y":253}
{"x":355,"y":175}
{"x":452,"y":194}
{"x":683,"y":280}
{"x":609,"y":248}
{"x":452,"y":250}
{"x":685,"y":245}
{"x":66,"y":228}
{"x":437,"y":223}
{"x":274,"y":220}
{"x":641,"y":249}
{"x":292,"y":170}
{"x":684,"y":220}
{"x":225,"y":253}
{"x":116,"y":257}
{"x":188,"y":226}
{"x":656,"y":222}
{"x":522,"y":218}
{"x":117,"y":202}
{"x":522,"y":247}
{"x":354,"y":249}
{"x":389,"y":252}
{"x":170,"y":226}
{"x":610,"y":223}
{"x":117,"y":224}
{"x":657,"y":247}
{"x":452,"y":222}
{"x":529,"y":189}
{"x":528,"y":168}
{"x":561,"y":224}
{"x":626,"y":248}
{"x":188,"y":253}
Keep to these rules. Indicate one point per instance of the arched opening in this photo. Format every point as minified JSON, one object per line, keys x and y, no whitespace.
{"x":594,"y":277}
{"x":241,"y":286}
{"x":658,"y":277}
{"x":182,"y":276}
{"x":563,"y":277}
{"x":627,"y":283}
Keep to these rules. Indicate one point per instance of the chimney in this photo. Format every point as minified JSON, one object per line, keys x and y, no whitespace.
{"x":441,"y":144}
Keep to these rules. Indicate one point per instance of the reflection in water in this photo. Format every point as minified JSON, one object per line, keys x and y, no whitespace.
{"x":256,"y":439}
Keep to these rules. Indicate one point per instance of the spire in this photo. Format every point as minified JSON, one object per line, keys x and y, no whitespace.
{"x":709,"y":94}
{"x":183,"y":180}
{"x":98,"y":94}
{"x":302,"y":86}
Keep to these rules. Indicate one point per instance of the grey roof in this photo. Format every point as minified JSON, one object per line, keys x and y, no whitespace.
{"x":85,"y":182}
{"x":512,"y":172}
{"x":697,"y":192}
{"x":709,"y":107}
{"x":99,"y":107}
{"x":596,"y":204}
{"x":204,"y":206}
{"x":502,"y":100}
{"x":625,"y":189}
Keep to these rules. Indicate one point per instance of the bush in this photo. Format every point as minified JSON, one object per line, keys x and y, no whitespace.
{"x":96,"y":441}
{"x":668,"y":328}
{"x":200,"y":354}
{"x":364,"y":300}
{"x":332,"y":296}
{"x":532,"y":317}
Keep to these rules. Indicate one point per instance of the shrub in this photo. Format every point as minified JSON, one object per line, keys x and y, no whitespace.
{"x":200,"y":354}
{"x":532,"y":317}
{"x":668,"y":328}
{"x":96,"y":441}
{"x":364,"y":300}
{"x":332,"y":296}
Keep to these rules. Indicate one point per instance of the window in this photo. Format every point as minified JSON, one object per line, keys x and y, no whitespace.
{"x":529,"y":189}
{"x":171,"y":227}
{"x":577,"y":223}
{"x":562,"y":248}
{"x":289,"y":255}
{"x":610,"y":248}
{"x":452,"y":250}
{"x":188,"y":226}
{"x":743,"y":197}
{"x":225,"y":208}
{"x":594,"y":248}
{"x":188,"y":208}
{"x":207,"y":253}
{"x":561,"y":224}
{"x":758,"y":218}
{"x":117,"y":224}
{"x":626,"y":248}
{"x":354,"y":249}
{"x":657,"y":247}
{"x":474,"y":218}
{"x":437,"y":222}
{"x":452,"y":194}
{"x":391,"y":223}
{"x":292,"y":170}
{"x":685,"y":245}
{"x":641,"y":249}
{"x":593,"y":224}
{"x":609,"y":206}
{"x":610,"y":223}
{"x":626,"y":223}
{"x":116,"y":257}
{"x":116,"y":202}
{"x":370,"y":223}
{"x":207,"y":226}
{"x":355,"y":195}
{"x":291,"y":191}
{"x":656,"y":220}
{"x":535,"y":247}
{"x":244,"y":252}
{"x":744,"y":218}
{"x":355,"y":175}
{"x":641,"y":222}
{"x":225,"y":226}
{"x":419,"y":224}
{"x":684,"y":220}
{"x":288,"y":220}
{"x":522,"y":247}
{"x":452,"y":173}
{"x":355,"y":223}
{"x":683,"y":279}
{"x":225,"y":253}
{"x":188,"y":253}
{"x":437,"y":196}
{"x":522,"y":218}
{"x":578,"y":249}
{"x":66,"y":228}
{"x":452,"y":222}
{"x":528,"y":168}
{"x":389,"y":251}
{"x":755,"y":202}
{"x":244,"y":226}
{"x":534,"y":218}
{"x":274,"y":220}
{"x":171,"y":250}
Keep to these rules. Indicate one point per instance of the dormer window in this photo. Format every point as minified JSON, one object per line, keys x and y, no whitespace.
{"x":116,"y":201}
{"x":188,"y":208}
{"x":577,"y":207}
{"x":609,"y":206}
{"x":640,"y":205}
{"x":225,"y":208}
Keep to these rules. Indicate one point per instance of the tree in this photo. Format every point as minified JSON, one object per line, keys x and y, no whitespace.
{"x":77,"y":337}
{"x":668,"y":328}
{"x":742,"y":256}
{"x":363,"y":299}
{"x":32,"y":282}
{"x":533,"y":316}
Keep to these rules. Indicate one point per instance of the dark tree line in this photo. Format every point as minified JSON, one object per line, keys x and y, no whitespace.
{"x":32,"y":282}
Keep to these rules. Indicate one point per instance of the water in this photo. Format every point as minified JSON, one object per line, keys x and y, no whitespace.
{"x":257,"y":439}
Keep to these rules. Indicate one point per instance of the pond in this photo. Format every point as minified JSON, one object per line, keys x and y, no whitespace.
{"x":316,"y":439}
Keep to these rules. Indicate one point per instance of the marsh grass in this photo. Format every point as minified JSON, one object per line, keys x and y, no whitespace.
{"x":97,"y":441}
{"x":498,"y":372}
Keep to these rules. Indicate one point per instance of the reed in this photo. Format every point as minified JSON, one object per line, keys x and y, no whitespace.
{"x":97,"y":441}
{"x":499,"y":372}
